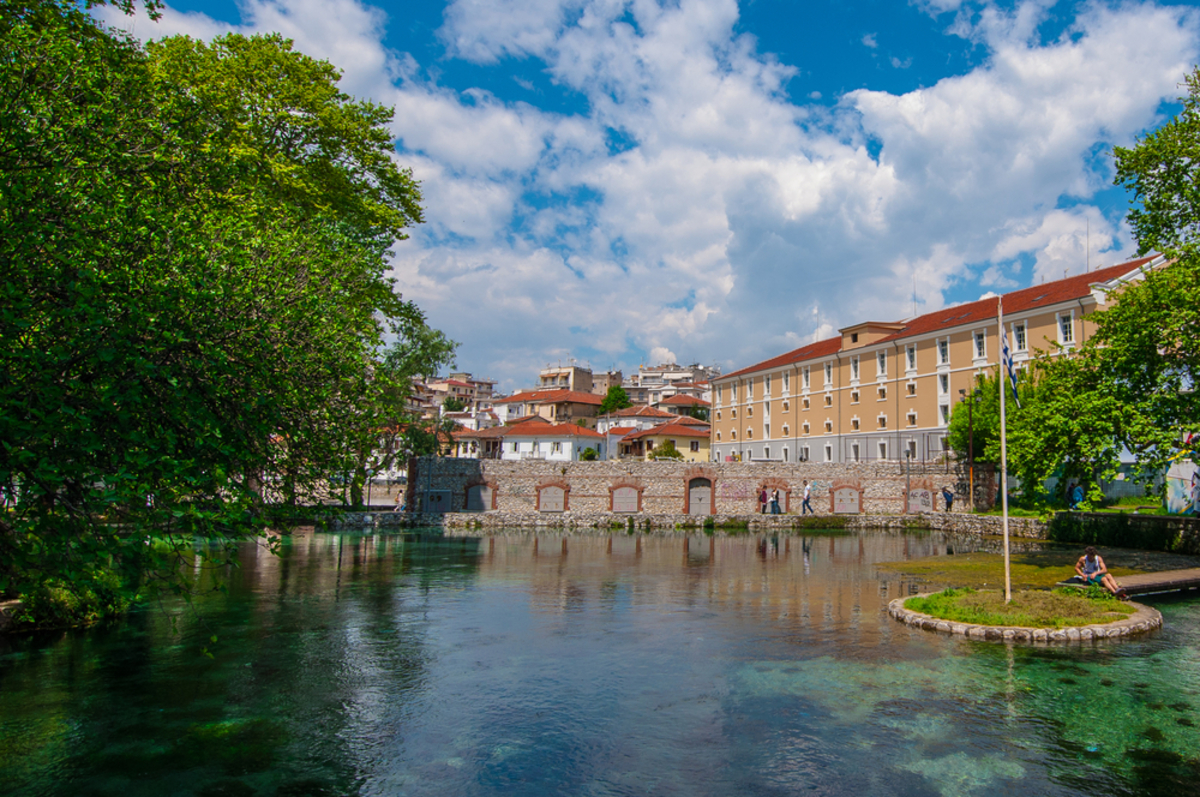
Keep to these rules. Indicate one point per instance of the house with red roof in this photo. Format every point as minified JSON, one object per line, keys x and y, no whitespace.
{"x":557,"y":406}
{"x":690,"y":441}
{"x":885,"y":390}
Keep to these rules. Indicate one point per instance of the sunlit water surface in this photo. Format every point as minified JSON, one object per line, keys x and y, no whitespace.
{"x":416,"y":665}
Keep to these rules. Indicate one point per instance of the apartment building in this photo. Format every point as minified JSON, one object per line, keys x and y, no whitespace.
{"x":565,"y":377}
{"x":881,"y":389}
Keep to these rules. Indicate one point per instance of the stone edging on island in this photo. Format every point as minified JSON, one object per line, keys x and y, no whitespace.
{"x":1143,"y":620}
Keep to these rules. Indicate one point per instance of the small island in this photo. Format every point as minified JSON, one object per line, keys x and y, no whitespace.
{"x":1060,"y":615}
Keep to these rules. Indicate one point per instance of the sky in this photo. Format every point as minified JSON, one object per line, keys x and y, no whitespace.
{"x":628,"y":182}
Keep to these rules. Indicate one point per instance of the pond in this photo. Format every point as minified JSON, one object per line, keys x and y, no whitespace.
{"x":408,"y":664}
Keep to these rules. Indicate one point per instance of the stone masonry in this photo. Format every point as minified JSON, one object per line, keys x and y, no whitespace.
{"x":515,"y":490}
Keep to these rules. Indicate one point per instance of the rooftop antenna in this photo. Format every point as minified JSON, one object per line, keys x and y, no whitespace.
{"x":914,"y":295}
{"x":1088,"y":261}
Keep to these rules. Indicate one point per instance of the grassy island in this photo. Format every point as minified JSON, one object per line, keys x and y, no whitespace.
{"x":1058,"y":608}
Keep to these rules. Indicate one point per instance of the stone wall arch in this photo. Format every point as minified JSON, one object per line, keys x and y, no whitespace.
{"x":785,"y":492}
{"x":625,"y":485}
{"x":846,"y":497}
{"x":493,"y":489}
{"x":551,"y":488}
{"x":699,"y":472}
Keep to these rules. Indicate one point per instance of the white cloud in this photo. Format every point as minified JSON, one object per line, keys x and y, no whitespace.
{"x":741,"y":223}
{"x":660,"y":355}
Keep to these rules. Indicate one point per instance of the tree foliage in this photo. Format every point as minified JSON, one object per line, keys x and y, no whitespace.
{"x":194,"y":294}
{"x":615,"y":399}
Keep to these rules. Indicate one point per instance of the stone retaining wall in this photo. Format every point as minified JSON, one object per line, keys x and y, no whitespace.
{"x":1143,"y":620}
{"x":662,"y":486}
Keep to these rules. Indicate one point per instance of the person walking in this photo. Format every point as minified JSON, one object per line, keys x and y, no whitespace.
{"x":948,"y":496}
{"x":805,"y":506}
{"x":762,"y":501}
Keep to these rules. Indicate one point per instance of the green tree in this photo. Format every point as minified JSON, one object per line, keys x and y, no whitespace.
{"x":588,"y":455}
{"x":666,"y":451}
{"x":1132,"y":384}
{"x":452,"y":404}
{"x":615,"y":399}
{"x":194,"y":296}
{"x":979,"y":422}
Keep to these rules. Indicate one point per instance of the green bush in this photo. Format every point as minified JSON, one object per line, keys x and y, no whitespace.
{"x":59,"y":604}
{"x":1114,"y":530}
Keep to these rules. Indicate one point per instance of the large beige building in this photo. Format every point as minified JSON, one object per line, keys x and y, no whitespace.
{"x":880,"y":389}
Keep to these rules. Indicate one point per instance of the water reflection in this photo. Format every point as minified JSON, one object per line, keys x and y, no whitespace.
{"x":629,"y":664}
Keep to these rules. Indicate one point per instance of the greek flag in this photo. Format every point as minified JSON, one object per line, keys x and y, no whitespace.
{"x":1008,"y":366}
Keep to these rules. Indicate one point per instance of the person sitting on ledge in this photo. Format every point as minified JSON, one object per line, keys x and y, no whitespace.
{"x":1092,"y":570}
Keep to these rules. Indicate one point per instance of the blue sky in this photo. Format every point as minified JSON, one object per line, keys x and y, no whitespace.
{"x":706,"y":180}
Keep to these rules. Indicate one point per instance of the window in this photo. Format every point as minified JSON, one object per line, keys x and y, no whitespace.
{"x":1019,"y":337}
{"x":806,"y":403}
{"x":828,"y":453}
{"x":854,"y":367}
{"x":556,"y":448}
{"x":767,"y":385}
{"x":787,"y":405}
{"x":883,"y":449}
{"x":912,"y":418}
{"x":718,"y":395}
{"x":805,"y":427}
{"x":854,"y":337}
{"x":980,"y":345}
{"x":767,"y":430}
{"x":805,"y":381}
{"x":912,"y":388}
{"x":718,"y":438}
{"x":749,"y":434}
{"x":944,"y":384}
{"x":854,"y":451}
{"x":882,"y":393}
{"x":944,"y":414}
{"x":733,"y":392}
{"x":649,"y":444}
{"x":785,"y":431}
{"x":733,"y":435}
{"x":804,"y":453}
{"x":853,"y":396}
{"x":911,"y":355}
{"x":1066,"y":328}
{"x":881,"y":364}
{"x":785,"y":453}
{"x":695,"y":446}
{"x":828,"y":427}
{"x":719,"y":414}
{"x":912,"y":448}
{"x":733,"y":413}
{"x":750,"y":411}
{"x":787,"y":382}
{"x":943,"y":351}
{"x":766,"y":452}
{"x":854,"y":424}
{"x":749,"y":390}
{"x":882,"y":421}
{"x":828,"y":399}
{"x":828,"y":373}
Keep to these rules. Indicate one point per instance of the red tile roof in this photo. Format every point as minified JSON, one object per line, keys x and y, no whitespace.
{"x":621,"y":431}
{"x":1021,"y":301}
{"x":552,"y":397}
{"x":1024,"y":300}
{"x":643,"y":412}
{"x":552,"y":430}
{"x":822,"y":348}
{"x":669,"y":430}
{"x":684,"y":401}
{"x":689,"y":421}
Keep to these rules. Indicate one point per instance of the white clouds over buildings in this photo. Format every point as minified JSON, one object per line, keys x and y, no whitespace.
{"x":694,"y":207}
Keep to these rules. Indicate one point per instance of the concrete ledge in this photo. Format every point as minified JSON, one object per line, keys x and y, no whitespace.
{"x":1142,"y":621}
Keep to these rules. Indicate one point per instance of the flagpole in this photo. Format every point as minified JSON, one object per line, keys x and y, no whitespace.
{"x":1004,"y":449}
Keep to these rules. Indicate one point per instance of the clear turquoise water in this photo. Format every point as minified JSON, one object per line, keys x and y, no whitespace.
{"x":408,"y":665}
